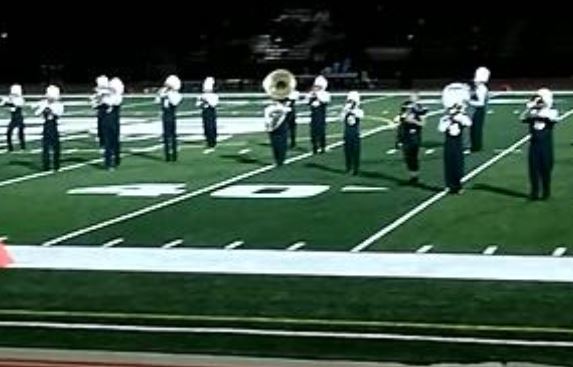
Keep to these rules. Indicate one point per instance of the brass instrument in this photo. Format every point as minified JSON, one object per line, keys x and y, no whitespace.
{"x":279,"y":84}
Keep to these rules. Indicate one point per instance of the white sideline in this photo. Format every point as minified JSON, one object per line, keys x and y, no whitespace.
{"x":296,"y":263}
{"x":435,"y":198}
{"x":287,"y":333}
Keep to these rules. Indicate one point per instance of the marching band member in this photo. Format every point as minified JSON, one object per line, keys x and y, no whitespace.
{"x":15,"y":102}
{"x":208,"y":102}
{"x":351,"y":116}
{"x":479,"y":98}
{"x":276,"y":115}
{"x":279,"y":85}
{"x":111,"y":125}
{"x":454,"y":98}
{"x":293,"y":98}
{"x":51,"y":109}
{"x":411,"y":120}
{"x":318,"y":99}
{"x":169,"y":98}
{"x":541,"y":117}
{"x":101,"y":89}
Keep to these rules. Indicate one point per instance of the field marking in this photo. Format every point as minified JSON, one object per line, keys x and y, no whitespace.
{"x":48,"y":173}
{"x":286,"y":333}
{"x":244,"y":151}
{"x":99,"y":160}
{"x":517,"y":151}
{"x":429,"y":151}
{"x":71,"y":167}
{"x":437,"y":197}
{"x":294,"y":263}
{"x":112,"y":243}
{"x":288,"y":321}
{"x":424,"y":249}
{"x":234,"y":245}
{"x":172,"y":244}
{"x":371,"y":93}
{"x":204,"y":190}
{"x":490,"y":250}
{"x":356,"y":188}
{"x":391,"y":151}
{"x":296,"y":246}
{"x":559,"y":251}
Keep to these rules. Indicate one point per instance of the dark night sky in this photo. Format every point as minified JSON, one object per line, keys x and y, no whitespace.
{"x":81,"y":41}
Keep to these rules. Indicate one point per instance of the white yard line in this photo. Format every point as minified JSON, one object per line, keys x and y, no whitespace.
{"x":112,"y":243}
{"x":132,"y":316}
{"x":286,"y":333}
{"x":80,"y":165}
{"x":437,"y":197}
{"x":355,"y":188}
{"x":71,"y":167}
{"x":296,"y":246}
{"x":172,"y":244}
{"x":490,"y":250}
{"x":48,"y":173}
{"x":244,"y":151}
{"x":233,"y":245}
{"x":424,"y":249}
{"x":204,"y":190}
{"x":559,"y":251}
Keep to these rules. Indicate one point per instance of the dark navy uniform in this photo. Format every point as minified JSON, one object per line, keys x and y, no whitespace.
{"x":351,"y":116}
{"x":169,"y":102}
{"x":208,"y":103}
{"x":453,"y":125}
{"x":111,"y":124}
{"x":411,"y":120}
{"x":101,"y":90}
{"x":541,"y":121}
{"x":111,"y":134}
{"x":291,"y":117}
{"x":276,"y":124}
{"x":101,"y":111}
{"x":478,"y":101}
{"x":318,"y":102}
{"x":51,"y":112}
{"x":15,"y":104}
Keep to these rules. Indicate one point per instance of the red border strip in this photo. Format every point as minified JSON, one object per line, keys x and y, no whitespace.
{"x":9,"y":362}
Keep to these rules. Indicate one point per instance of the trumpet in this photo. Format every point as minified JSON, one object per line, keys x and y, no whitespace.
{"x":97,"y":98}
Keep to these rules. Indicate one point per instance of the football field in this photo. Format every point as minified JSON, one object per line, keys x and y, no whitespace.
{"x":223,"y":252}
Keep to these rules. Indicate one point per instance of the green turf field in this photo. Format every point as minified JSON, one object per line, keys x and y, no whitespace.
{"x":493,"y":216}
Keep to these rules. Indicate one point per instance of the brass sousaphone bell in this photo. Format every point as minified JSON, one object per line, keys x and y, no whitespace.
{"x":279,"y":84}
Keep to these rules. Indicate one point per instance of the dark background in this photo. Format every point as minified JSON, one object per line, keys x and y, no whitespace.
{"x":397,"y":40}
